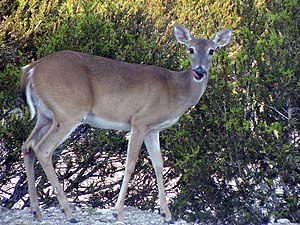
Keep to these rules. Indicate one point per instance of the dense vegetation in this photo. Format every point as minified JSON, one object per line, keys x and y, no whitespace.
{"x":235,"y":156}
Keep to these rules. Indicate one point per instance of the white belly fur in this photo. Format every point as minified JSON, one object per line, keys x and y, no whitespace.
{"x":99,"y":122}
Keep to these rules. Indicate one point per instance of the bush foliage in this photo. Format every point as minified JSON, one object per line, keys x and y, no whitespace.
{"x":235,"y":156}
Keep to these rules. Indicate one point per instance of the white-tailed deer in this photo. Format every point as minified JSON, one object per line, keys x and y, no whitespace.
{"x":69,"y":88}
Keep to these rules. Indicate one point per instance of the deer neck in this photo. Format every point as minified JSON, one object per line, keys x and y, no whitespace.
{"x":190,"y":88}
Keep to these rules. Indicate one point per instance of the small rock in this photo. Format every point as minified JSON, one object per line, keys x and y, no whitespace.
{"x":180,"y":222}
{"x":283,"y":221}
{"x":85,"y":213}
{"x":119,"y":223}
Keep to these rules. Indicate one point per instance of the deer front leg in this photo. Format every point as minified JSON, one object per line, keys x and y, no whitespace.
{"x":153,"y":147}
{"x":134,"y":146}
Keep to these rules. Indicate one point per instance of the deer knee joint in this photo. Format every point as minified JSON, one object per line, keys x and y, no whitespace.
{"x":28,"y":146}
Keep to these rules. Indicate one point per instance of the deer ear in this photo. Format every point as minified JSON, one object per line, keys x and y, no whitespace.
{"x":223,"y":37}
{"x":182,"y":34}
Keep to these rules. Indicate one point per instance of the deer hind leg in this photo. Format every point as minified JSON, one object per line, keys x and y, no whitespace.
{"x":153,"y":147}
{"x":134,"y":146}
{"x":44,"y":149}
{"x":42,"y":126}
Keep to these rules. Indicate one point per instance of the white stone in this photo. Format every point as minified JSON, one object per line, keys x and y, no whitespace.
{"x":283,"y":221}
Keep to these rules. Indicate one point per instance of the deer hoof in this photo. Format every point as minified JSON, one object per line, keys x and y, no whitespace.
{"x":115,"y":215}
{"x":167,"y":219}
{"x":37,"y":215}
{"x":73,"y":220}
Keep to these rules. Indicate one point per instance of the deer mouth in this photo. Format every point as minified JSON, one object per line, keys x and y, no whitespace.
{"x":199,"y":73}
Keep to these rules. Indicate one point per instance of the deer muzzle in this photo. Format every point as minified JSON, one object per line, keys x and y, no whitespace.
{"x":199,"y":73}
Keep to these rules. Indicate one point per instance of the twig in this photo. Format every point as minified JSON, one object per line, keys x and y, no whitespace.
{"x":277,"y":112}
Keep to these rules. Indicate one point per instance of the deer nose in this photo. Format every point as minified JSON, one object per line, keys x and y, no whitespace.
{"x":199,"y":73}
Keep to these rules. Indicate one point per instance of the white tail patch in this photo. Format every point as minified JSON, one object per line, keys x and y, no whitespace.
{"x":28,"y":94}
{"x":25,"y":67}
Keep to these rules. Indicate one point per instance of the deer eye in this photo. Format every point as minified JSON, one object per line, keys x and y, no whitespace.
{"x":191,"y":50}
{"x":211,"y":51}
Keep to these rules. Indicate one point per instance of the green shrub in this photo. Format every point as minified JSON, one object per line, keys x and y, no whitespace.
{"x":230,"y":154}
